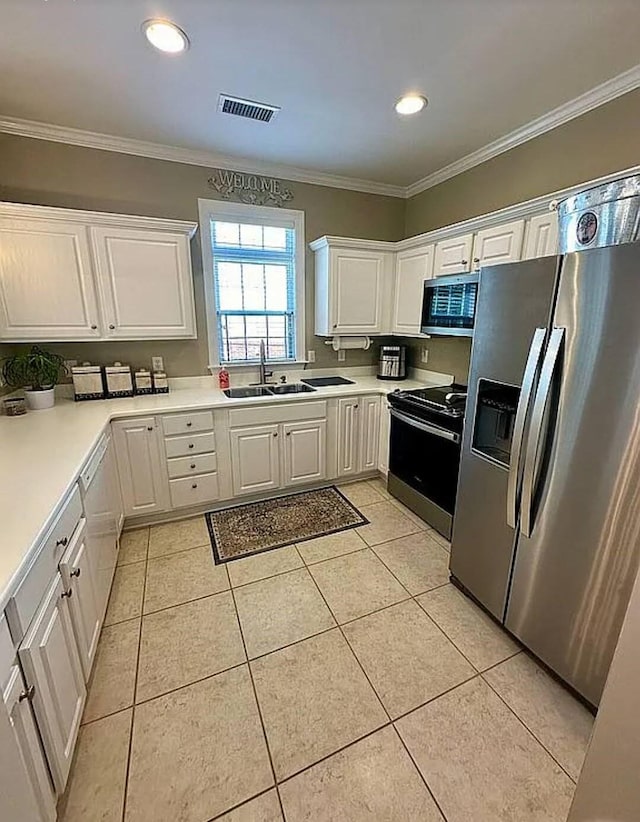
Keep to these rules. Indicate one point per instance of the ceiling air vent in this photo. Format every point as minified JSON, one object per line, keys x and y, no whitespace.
{"x":247,"y":108}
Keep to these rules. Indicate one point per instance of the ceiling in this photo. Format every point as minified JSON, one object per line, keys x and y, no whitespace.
{"x":335,"y":67}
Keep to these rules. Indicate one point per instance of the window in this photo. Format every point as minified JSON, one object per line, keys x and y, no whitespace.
{"x":253,"y":262}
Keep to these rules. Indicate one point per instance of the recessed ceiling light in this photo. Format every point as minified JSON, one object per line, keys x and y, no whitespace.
{"x":411,"y":104}
{"x":165,"y":36}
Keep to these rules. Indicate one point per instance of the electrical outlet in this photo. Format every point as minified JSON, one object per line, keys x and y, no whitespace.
{"x":311,"y":356}
{"x":342,"y":355}
{"x":424,"y":355}
{"x":157,"y":363}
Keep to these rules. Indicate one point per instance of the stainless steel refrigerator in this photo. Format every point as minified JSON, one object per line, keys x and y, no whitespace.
{"x":547,"y":527}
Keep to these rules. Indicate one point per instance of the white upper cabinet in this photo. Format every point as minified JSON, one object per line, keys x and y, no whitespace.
{"x":353,"y":289}
{"x":453,"y":256}
{"x":46,"y":281}
{"x":541,"y":238}
{"x":498,"y":244}
{"x":412,"y":269}
{"x":81,"y":275}
{"x":146,"y":284}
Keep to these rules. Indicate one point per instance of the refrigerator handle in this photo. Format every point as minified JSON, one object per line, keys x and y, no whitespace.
{"x":537,"y":418}
{"x":524,"y":403}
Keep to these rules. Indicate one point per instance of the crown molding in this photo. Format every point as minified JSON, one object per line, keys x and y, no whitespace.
{"x":598,"y":96}
{"x":208,"y":159}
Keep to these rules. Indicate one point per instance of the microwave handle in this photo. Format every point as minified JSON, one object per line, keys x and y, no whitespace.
{"x":425,"y":426}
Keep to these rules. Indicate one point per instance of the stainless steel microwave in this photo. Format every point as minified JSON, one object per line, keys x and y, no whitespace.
{"x":449,"y":305}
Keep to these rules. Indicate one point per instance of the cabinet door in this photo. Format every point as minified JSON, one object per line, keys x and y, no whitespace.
{"x":453,"y":256}
{"x":358,"y":290}
{"x":146,"y":283}
{"x":50,"y":660}
{"x":412,"y":269}
{"x":383,"y":443}
{"x":24,"y":774}
{"x":369,"y":423}
{"x":47,"y":290}
{"x":140,"y":467}
{"x":541,"y":236}
{"x":498,"y":244}
{"x":255,"y":460}
{"x":77,"y":578}
{"x":347,"y":436}
{"x":304,"y":451}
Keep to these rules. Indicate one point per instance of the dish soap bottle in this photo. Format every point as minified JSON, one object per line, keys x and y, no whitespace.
{"x":223,"y":378}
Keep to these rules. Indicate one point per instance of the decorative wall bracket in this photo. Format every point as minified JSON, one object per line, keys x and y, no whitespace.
{"x":250,"y":188}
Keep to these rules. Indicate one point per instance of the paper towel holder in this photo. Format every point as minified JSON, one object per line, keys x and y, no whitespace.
{"x":349,"y":343}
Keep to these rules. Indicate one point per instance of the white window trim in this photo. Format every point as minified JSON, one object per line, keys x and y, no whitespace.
{"x":221,"y":210}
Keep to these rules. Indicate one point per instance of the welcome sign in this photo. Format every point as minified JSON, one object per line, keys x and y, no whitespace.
{"x":250,"y":188}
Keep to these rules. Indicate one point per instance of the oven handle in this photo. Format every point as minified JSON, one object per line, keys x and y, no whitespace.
{"x":425,"y":426}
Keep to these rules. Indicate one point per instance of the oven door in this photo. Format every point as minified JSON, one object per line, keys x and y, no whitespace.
{"x":425,"y":457}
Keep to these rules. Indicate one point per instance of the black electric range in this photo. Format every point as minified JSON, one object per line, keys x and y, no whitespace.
{"x":424,"y":455}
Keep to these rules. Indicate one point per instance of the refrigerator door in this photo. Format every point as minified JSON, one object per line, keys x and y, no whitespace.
{"x":581,"y":496}
{"x":514,"y":302}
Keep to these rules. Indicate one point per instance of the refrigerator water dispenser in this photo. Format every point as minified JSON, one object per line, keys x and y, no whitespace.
{"x":495,"y":416}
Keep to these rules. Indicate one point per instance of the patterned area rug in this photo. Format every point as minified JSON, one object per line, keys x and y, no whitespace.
{"x":262,"y":526}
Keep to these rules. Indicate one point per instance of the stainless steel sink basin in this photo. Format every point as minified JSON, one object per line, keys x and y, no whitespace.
{"x":247,"y":391}
{"x":291,"y":388}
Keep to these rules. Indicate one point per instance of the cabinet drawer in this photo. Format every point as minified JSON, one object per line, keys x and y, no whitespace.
{"x":187,"y":423}
{"x":196,"y":444}
{"x":22,"y":606}
{"x":186,"y":466}
{"x":193,"y":490}
{"x":283,"y":412}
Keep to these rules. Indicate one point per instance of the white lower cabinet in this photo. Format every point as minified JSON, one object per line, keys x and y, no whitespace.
{"x":140,"y":466}
{"x":304,"y":447}
{"x":383,"y":440}
{"x":26,"y":789}
{"x":255,"y":460}
{"x":76,"y":573}
{"x":51,"y":663}
{"x":369,"y":424}
{"x":347,"y":436}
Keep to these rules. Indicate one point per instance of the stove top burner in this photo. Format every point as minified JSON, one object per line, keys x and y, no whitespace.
{"x":449,"y":400}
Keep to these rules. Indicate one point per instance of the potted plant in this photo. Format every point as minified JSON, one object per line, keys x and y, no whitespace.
{"x":37,"y":371}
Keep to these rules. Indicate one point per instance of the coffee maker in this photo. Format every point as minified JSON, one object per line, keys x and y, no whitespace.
{"x":392,"y":362}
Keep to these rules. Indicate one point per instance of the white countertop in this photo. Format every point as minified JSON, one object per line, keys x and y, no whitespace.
{"x":43,"y":452}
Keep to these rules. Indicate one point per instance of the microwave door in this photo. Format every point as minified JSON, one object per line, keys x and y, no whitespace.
{"x":449,"y":305}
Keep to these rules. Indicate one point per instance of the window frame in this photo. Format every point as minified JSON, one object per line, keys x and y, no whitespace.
{"x":222,"y":211}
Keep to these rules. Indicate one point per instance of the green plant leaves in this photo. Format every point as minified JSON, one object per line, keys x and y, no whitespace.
{"x":37,"y":368}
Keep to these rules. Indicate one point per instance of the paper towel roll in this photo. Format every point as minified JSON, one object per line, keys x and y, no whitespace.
{"x":346,"y":343}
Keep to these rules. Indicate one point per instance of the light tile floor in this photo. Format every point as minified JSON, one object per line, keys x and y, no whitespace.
{"x":340,"y":679}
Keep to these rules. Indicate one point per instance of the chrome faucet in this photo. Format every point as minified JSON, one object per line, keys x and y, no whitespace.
{"x":264,"y":374}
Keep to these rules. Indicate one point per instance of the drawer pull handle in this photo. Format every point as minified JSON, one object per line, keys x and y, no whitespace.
{"x":195,"y":485}
{"x":28,"y":694}
{"x":64,"y":542}
{"x":68,"y":593}
{"x":75,"y":572}
{"x":190,"y":445}
{"x":193,"y":465}
{"x":189,"y":424}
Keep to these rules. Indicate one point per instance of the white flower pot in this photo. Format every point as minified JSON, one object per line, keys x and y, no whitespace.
{"x":38,"y":400}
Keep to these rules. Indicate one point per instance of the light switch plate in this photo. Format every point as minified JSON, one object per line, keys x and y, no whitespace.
{"x":157,"y":363}
{"x":342,"y":355}
{"x":311,"y":356}
{"x":424,"y":355}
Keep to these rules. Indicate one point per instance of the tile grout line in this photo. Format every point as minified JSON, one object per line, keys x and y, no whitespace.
{"x":526,"y":727}
{"x":420,"y":774}
{"x":257,"y":701}
{"x":135,"y":685}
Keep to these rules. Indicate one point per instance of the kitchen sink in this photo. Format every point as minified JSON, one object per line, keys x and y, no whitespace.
{"x":290,"y":388}
{"x":247,"y":391}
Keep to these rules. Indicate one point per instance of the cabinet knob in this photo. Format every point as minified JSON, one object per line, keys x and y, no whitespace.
{"x":111,"y":326}
{"x":288,"y":433}
{"x":195,"y":485}
{"x":275,"y":433}
{"x":190,"y":445}
{"x":28,"y":694}
{"x":93,"y":327}
{"x":464,"y":262}
{"x":68,"y":593}
{"x":149,"y":427}
{"x":193,"y":465}
{"x":64,"y":542}
{"x":335,"y":325}
{"x":476,"y":259}
{"x":189,"y":424}
{"x":75,"y":572}
{"x":356,"y":406}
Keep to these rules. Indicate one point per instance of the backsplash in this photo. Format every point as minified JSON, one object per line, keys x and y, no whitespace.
{"x":448,"y":355}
